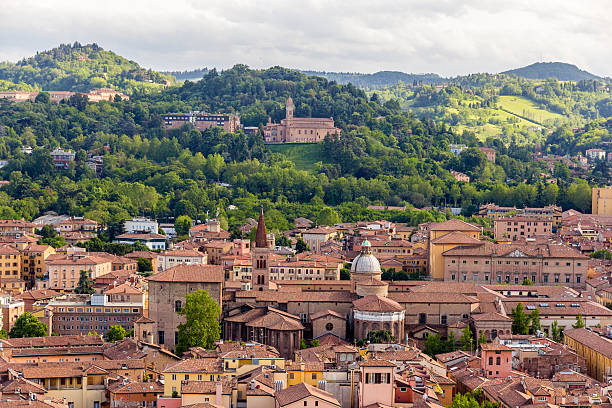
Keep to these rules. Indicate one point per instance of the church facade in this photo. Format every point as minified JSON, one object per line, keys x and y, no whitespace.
{"x":299,"y":130}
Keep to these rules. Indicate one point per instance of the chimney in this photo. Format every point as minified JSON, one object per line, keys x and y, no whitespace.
{"x":218,"y":393}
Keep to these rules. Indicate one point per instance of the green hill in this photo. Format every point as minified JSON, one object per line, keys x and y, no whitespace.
{"x":378,"y":79}
{"x":558,"y":70}
{"x":76,"y":67}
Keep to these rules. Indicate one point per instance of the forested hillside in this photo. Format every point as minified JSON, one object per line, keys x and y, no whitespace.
{"x":76,"y":67}
{"x":558,"y":70}
{"x":385,"y":156}
{"x":378,"y":79}
{"x":505,"y":107}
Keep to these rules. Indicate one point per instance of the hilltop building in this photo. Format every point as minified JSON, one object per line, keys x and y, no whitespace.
{"x":299,"y":130}
{"x":202,"y":121}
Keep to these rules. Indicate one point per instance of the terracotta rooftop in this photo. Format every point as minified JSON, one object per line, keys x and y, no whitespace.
{"x":327,"y":312}
{"x":300,"y":391}
{"x":454,"y":225}
{"x":377,"y":363}
{"x":375,"y":303}
{"x":457,"y":237}
{"x":190,"y":273}
{"x":591,"y":340}
{"x":199,"y":365}
{"x":139,"y":388}
{"x":205,"y":387}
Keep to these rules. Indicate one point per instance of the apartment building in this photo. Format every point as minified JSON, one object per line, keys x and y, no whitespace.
{"x":543,"y":264}
{"x":64,"y":271}
{"x":17,"y":227}
{"x":33,"y":262}
{"x":173,"y":257}
{"x":304,"y":270}
{"x":202,"y":121}
{"x":153,"y":241}
{"x":82,"y":314}
{"x":520,"y":228}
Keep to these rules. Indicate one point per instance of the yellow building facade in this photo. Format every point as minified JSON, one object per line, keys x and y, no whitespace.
{"x":601,"y":203}
{"x":596,"y":350}
{"x":448,"y":235}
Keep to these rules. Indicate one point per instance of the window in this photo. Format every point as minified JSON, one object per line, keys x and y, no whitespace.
{"x":329,"y":326}
{"x":497,"y":361}
{"x":443,"y":319}
{"x":174,"y":377}
{"x":160,"y":336}
{"x":186,"y":377}
{"x":305,"y":403}
{"x":291,"y":375}
{"x":490,"y":360}
{"x":422,"y":318}
{"x":314,"y":376}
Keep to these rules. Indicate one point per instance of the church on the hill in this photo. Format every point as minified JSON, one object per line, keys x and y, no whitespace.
{"x":298,"y":130}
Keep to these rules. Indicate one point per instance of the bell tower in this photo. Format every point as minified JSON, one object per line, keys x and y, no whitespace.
{"x":289,"y":108}
{"x":260,"y":277}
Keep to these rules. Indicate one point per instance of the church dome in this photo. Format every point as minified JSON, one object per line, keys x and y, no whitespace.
{"x":365,"y":262}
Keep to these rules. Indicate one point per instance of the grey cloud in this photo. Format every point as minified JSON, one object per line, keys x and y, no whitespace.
{"x":449,"y":37}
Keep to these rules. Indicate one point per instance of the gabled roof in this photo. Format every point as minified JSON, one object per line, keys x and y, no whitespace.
{"x":453,"y":225}
{"x":376,"y":303}
{"x":300,"y":391}
{"x":457,"y":237}
{"x":327,"y":312}
{"x":190,"y":273}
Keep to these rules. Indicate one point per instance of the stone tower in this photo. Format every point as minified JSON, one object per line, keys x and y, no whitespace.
{"x":260,"y":277}
{"x":289,"y":108}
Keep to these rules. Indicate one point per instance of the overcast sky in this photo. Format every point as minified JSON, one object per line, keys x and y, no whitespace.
{"x":449,"y":37}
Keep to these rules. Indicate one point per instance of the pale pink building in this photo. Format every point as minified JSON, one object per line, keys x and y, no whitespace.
{"x":519,"y":228}
{"x":376,"y":382}
{"x":496,"y":360}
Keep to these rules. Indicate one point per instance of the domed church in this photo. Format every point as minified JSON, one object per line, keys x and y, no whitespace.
{"x":373,"y":310}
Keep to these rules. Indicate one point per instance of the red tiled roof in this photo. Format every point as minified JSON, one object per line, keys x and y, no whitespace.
{"x":375,"y":303}
{"x":300,"y":391}
{"x":190,"y":273}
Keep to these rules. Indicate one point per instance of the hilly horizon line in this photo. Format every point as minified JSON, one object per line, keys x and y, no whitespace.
{"x":186,"y":72}
{"x":418,"y":74}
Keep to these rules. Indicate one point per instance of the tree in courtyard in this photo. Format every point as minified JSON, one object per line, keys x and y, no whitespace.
{"x":27,"y":325}
{"x":450,"y":344}
{"x":116,"y":333}
{"x":85,"y":286}
{"x":527,"y":282}
{"x":520,"y":321}
{"x":579,"y":322}
{"x":433,"y":345}
{"x":482,"y":339}
{"x":282,"y":240}
{"x":201,"y":327}
{"x":182,"y":224}
{"x":534,"y":317}
{"x":301,"y":246}
{"x":466,"y":339}
{"x":556,"y":332}
{"x":144,"y":265}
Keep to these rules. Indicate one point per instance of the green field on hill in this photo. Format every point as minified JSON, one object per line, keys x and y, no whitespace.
{"x":304,"y":155}
{"x":524,"y":107}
